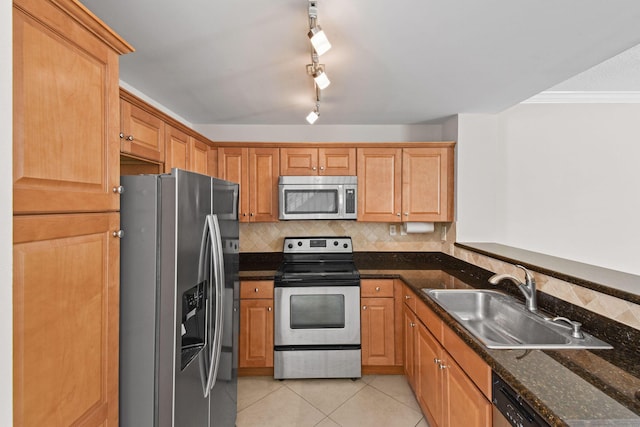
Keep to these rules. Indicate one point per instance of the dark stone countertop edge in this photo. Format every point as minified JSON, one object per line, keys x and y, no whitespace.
{"x":563,"y":269}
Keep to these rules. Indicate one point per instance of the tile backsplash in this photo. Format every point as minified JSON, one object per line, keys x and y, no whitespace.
{"x":366,"y":236}
{"x":606,"y":305}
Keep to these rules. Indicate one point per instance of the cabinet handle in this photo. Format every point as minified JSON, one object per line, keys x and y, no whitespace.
{"x":364,"y":307}
{"x":130,"y":138}
{"x":377,"y":288}
{"x":119,"y":189}
{"x":268,"y":308}
{"x":119,"y":233}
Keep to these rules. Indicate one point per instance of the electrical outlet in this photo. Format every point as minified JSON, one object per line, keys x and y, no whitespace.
{"x":392,"y":230}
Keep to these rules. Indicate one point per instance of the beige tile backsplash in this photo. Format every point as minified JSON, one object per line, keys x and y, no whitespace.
{"x":614,"y":308}
{"x":366,"y":236}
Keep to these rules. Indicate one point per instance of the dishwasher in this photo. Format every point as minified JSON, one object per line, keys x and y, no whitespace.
{"x":509,"y":409}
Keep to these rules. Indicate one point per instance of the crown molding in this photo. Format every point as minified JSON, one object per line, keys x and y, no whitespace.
{"x":585,"y":97}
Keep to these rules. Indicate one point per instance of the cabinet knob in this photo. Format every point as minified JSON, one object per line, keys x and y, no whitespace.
{"x":413,"y":325}
{"x":364,"y":307}
{"x":313,"y":168}
{"x":251,"y":214}
{"x":255,"y":290}
{"x":244,"y":214}
{"x":398,"y":214}
{"x":377,"y":288}
{"x":268,"y":308}
{"x":442,"y":366}
{"x":406,"y":214}
{"x":119,"y":189}
{"x":118,"y":233}
{"x":407,"y":297}
{"x":121,"y":135}
{"x":321,"y":168}
{"x":130,"y":138}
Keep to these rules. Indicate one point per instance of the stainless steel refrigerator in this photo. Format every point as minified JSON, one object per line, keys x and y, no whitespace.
{"x":179,"y":302}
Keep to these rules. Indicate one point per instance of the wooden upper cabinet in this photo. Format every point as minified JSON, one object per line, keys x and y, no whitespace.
{"x":427,"y":184}
{"x":142,"y":134}
{"x":65,"y":330}
{"x":317,"y":161}
{"x":256,"y":170}
{"x":65,"y":109}
{"x":198,"y":157}
{"x":177,"y":149}
{"x":379,"y":184}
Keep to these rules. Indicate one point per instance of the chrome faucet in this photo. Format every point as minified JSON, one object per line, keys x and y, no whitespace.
{"x":528,"y":288}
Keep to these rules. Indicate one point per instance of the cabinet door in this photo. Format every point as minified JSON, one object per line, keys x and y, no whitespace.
{"x":264,"y":164}
{"x":410,"y":331}
{"x":379,"y":184}
{"x":177,"y":149}
{"x":233,"y":165}
{"x":198,"y":156}
{"x":377,"y":331}
{"x":65,"y":114}
{"x":65,"y":314}
{"x":299,"y":161}
{"x":460,"y":392}
{"x":427,"y":184}
{"x":428,"y":354}
{"x":256,"y":333}
{"x":337,"y":161}
{"x":142,"y":133}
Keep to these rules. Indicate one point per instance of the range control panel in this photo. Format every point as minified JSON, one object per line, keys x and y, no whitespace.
{"x":318,"y":245}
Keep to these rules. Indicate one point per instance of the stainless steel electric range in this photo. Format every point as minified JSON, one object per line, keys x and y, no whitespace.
{"x":317,"y":310}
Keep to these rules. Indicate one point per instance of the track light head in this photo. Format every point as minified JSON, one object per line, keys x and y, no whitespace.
{"x":319,"y":40}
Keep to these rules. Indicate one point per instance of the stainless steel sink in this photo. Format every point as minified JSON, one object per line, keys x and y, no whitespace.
{"x":500,"y":321}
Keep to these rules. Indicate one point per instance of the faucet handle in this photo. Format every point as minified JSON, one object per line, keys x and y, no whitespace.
{"x":528,"y":277}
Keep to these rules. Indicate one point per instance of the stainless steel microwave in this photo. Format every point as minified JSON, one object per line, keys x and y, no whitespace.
{"x":318,"y":197}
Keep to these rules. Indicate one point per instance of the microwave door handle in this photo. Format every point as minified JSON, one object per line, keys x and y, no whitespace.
{"x":218,"y":280}
{"x":341,"y":201}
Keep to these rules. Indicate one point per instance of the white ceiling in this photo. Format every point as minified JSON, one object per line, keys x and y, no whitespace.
{"x":392,"y":62}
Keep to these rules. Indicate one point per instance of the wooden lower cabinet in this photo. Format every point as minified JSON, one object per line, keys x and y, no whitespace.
{"x":445,"y":391}
{"x":256,"y":327}
{"x":377,"y":331}
{"x":65,"y":322}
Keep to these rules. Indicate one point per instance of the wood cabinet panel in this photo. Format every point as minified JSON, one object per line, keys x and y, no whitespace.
{"x":256,"y":333}
{"x":66,"y":302}
{"x":65,"y":113}
{"x":377,"y":331}
{"x":379,"y":184}
{"x":256,"y":289}
{"x":427,"y":184}
{"x":233,"y":165}
{"x":460,"y":392}
{"x":476,"y":368}
{"x":142,"y":134}
{"x":376,"y":288}
{"x":428,"y":377}
{"x":409,"y":331}
{"x":198,"y":157}
{"x":317,"y":161}
{"x":264,"y":164}
{"x":177,"y":149}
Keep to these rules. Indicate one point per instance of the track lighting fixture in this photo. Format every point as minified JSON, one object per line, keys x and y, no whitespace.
{"x":319,"y":45}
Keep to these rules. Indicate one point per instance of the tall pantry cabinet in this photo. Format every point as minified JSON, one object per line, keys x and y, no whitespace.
{"x":66,"y":222}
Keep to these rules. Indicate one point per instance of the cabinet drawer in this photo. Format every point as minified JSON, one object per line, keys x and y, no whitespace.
{"x":409,"y":298}
{"x":430,"y":320}
{"x":373,"y":288}
{"x":256,"y":289}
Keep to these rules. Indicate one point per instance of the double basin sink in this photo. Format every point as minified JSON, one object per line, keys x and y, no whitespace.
{"x":499,"y":321}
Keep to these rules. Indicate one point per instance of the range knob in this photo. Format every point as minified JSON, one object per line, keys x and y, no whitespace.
{"x":345,"y":246}
{"x":299,"y":243}
{"x":290,"y":246}
{"x":335,"y":243}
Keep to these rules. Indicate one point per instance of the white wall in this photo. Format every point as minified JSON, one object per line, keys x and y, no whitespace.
{"x":566,"y":181}
{"x":321,"y":133}
{"x":6,"y":212}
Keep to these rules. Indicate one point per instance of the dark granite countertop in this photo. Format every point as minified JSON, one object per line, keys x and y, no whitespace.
{"x":567,"y":387}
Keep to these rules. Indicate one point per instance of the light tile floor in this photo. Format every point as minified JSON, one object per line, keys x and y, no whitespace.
{"x":373,"y":400}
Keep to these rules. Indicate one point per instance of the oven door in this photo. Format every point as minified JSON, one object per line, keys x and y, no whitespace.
{"x":317,"y":315}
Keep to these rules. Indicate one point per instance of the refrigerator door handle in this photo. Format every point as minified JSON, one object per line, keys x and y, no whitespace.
{"x":205,"y":274}
{"x":219,"y":281}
